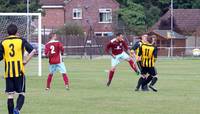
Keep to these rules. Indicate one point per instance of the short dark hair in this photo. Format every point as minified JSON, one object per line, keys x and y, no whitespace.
{"x":51,"y":34}
{"x":12,"y":29}
{"x":118,"y":34}
{"x":150,"y":39}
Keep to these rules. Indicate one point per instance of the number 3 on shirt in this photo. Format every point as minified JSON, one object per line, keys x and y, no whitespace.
{"x":12,"y":53}
{"x":52,"y":49}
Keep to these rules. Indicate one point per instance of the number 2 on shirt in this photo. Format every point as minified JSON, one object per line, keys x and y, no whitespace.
{"x":52,"y":49}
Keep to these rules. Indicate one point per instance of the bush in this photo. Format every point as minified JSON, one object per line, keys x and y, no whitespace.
{"x":71,"y":28}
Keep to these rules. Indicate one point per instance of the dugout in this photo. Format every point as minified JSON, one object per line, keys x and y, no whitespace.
{"x":164,"y":38}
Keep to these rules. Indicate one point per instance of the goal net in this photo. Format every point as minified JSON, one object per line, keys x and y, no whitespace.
{"x":29,"y":28}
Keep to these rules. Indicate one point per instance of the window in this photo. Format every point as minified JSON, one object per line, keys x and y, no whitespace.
{"x":103,"y":34}
{"x":105,"y":15}
{"x":77,"y":13}
{"x":98,"y":34}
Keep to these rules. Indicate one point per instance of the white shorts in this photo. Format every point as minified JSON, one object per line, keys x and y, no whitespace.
{"x":60,"y":67}
{"x":115,"y":61}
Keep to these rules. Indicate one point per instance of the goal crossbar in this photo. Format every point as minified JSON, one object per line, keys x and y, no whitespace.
{"x":39,"y":35}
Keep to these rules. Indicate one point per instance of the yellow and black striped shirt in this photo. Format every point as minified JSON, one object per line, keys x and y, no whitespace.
{"x":148,"y":53}
{"x":12,"y":50}
{"x":136,"y":47}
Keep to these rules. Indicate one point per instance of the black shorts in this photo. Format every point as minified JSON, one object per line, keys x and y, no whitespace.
{"x":15,"y":84}
{"x":149,"y":70}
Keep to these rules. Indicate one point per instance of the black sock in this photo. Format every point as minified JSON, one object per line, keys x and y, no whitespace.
{"x":144,"y":83}
{"x":149,"y":78}
{"x":140,"y":81}
{"x":20,"y":101}
{"x":10,"y":104}
{"x":154,"y":80}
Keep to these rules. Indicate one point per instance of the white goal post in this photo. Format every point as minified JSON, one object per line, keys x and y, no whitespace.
{"x":4,"y":18}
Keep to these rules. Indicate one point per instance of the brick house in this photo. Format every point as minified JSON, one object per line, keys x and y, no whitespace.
{"x":54,"y":13}
{"x":95,"y":14}
{"x":186,"y":27}
{"x":186,"y":21}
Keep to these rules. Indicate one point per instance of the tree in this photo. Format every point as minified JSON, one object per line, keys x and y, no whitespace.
{"x":18,"y":5}
{"x":133,"y":17}
{"x":71,"y":28}
{"x":152,"y":15}
{"x":195,"y":4}
{"x":139,"y":11}
{"x":152,"y":10}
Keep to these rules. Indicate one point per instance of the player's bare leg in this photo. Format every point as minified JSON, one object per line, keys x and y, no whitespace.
{"x":131,"y":63}
{"x":110,"y":76}
{"x":66,"y":80}
{"x":49,"y":79}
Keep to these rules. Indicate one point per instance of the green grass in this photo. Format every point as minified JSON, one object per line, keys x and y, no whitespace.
{"x":178,"y":85}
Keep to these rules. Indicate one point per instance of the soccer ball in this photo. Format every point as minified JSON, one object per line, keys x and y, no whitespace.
{"x":196,"y":52}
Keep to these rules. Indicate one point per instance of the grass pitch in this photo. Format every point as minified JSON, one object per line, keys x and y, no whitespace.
{"x":178,"y":90}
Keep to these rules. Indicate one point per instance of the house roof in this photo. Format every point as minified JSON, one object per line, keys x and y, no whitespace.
{"x":60,"y":2}
{"x":52,"y":2}
{"x":185,"y":19}
{"x":115,"y":2}
{"x":168,"y":34}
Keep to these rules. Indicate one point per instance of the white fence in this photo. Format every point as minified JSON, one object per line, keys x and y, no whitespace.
{"x":178,"y":51}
